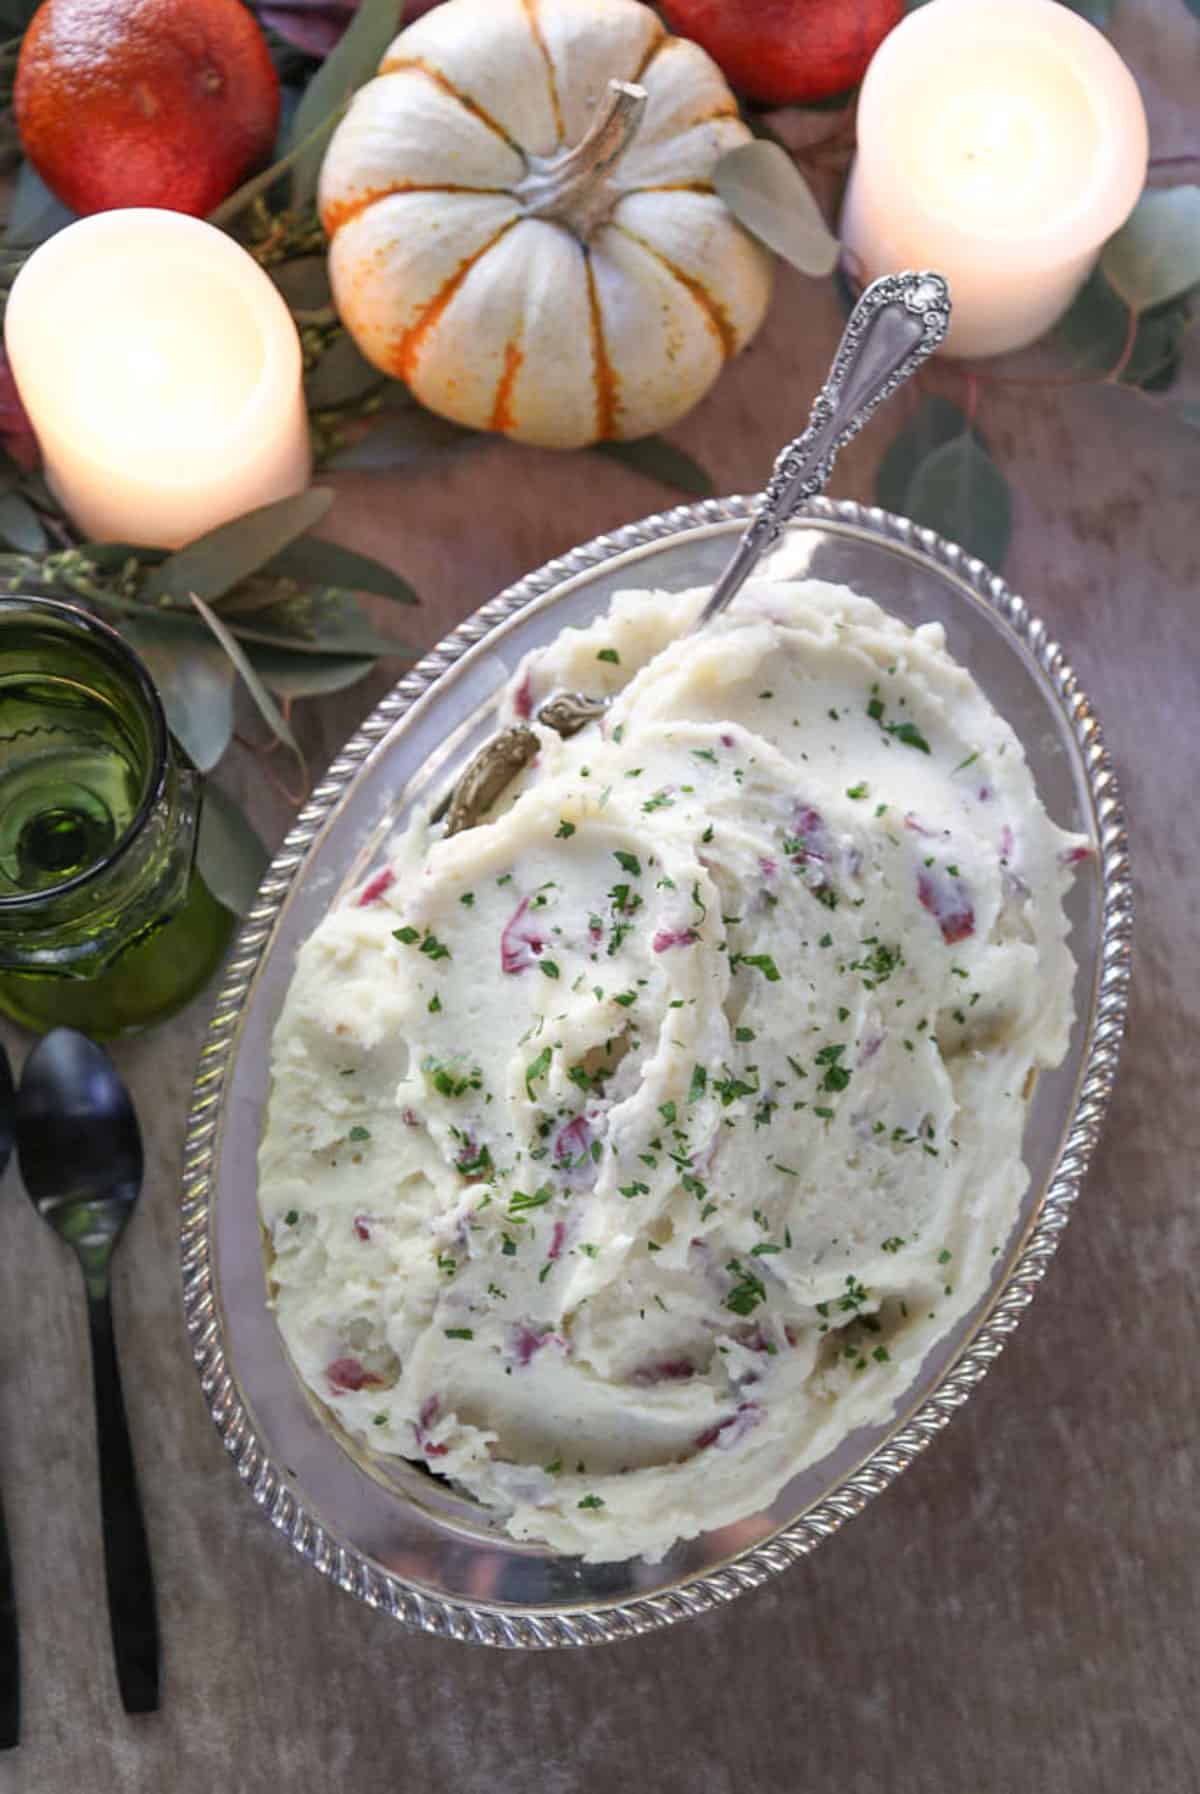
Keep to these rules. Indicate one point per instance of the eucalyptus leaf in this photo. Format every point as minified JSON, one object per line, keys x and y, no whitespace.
{"x":20,"y":525}
{"x":317,"y":561}
{"x":268,"y":708}
{"x":114,"y":555}
{"x":661,"y":460}
{"x":208,"y":567}
{"x":342,"y":375}
{"x":937,"y":421}
{"x":34,"y":214}
{"x":194,"y":678}
{"x":1156,"y":255}
{"x":353,"y":60}
{"x":766,"y":192}
{"x":959,"y":491}
{"x":304,"y":282}
{"x":328,"y":622}
{"x":1154,"y":360}
{"x":1093,"y":331}
{"x":260,"y":184}
{"x":230,"y":858}
{"x":302,"y":676}
{"x":405,"y":439}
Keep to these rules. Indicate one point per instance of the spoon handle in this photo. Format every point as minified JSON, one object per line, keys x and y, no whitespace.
{"x":10,"y":1651}
{"x":897,"y":322}
{"x":132,"y":1610}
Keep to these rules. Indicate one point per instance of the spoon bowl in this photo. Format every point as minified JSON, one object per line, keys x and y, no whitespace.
{"x":80,"y":1144}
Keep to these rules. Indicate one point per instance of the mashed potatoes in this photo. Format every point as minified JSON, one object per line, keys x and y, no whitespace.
{"x":626,"y":1151}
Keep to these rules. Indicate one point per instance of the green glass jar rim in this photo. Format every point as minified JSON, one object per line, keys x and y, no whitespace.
{"x":113,"y":643}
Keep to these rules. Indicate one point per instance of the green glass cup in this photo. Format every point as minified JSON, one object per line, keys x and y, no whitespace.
{"x":105,"y":925}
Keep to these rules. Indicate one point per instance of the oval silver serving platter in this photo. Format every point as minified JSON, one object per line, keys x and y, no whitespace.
{"x":395,"y":1537}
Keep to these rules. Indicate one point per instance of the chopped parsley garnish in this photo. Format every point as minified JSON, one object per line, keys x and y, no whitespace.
{"x":521,"y":1201}
{"x":405,"y":935}
{"x":433,"y":947}
{"x":591,"y":1501}
{"x":877,"y":965}
{"x":467,"y":899}
{"x":449,"y":1078}
{"x":697,"y":1086}
{"x":479,"y":1165}
{"x":881,"y":1355}
{"x":629,"y":1191}
{"x":707,"y":836}
{"x":944,"y":1256}
{"x":549,"y":967}
{"x":894,"y":1244}
{"x":564,"y":831}
{"x":906,"y":732}
{"x":705,"y":754}
{"x":747,"y":1292}
{"x":731,"y":1087}
{"x":862,"y":789}
{"x":434,"y":1004}
{"x":761,"y":1250}
{"x":537,"y":1068}
{"x":836,"y":1075}
{"x":743,"y":1034}
{"x":359,"y":1133}
{"x":610,"y":655}
{"x":628,"y":862}
{"x":459,"y":1332}
{"x":667,"y":1111}
{"x":963,"y":764}
{"x":662,"y":800}
{"x":508,"y":1246}
{"x":762,"y":962}
{"x":291,"y":1218}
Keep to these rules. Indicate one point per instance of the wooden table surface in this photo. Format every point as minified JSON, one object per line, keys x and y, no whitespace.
{"x":1021,"y":1610}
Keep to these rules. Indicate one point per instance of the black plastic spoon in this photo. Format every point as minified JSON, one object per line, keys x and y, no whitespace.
{"x":80,"y":1151}
{"x":10,"y":1650}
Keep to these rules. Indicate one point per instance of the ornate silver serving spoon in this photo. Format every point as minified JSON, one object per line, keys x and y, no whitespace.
{"x":898,"y":322}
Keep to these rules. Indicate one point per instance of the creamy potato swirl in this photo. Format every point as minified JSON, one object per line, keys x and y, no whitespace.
{"x":626,"y":1151}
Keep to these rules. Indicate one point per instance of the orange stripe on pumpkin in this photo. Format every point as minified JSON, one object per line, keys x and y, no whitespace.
{"x":652,"y":49}
{"x":405,"y":64}
{"x":530,"y":9}
{"x":603,"y":374}
{"x":712,"y":308}
{"x":342,"y":211}
{"x":503,"y":417}
{"x":403,"y":360}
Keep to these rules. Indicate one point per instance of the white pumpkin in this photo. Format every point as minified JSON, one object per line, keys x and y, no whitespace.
{"x":532,"y":249}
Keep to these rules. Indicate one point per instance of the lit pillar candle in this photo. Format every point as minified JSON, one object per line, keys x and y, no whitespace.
{"x":1000,"y":142}
{"x":162,"y":373}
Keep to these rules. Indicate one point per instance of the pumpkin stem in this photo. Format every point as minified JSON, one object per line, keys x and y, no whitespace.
{"x":572,"y":189}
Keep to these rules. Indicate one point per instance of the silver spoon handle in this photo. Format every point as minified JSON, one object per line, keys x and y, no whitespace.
{"x":898,"y":322}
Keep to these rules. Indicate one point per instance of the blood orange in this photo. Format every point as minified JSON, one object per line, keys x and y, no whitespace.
{"x":787,"y":52}
{"x":145,"y":102}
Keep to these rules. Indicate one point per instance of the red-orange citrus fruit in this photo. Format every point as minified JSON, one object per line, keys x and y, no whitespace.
{"x":145,"y":102}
